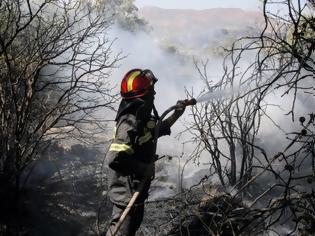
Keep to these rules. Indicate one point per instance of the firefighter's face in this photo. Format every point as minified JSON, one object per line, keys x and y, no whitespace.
{"x":151,"y":95}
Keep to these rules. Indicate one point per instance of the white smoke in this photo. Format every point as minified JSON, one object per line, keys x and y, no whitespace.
{"x":174,"y":74}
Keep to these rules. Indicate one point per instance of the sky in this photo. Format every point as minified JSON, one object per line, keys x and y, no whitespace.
{"x":200,"y":4}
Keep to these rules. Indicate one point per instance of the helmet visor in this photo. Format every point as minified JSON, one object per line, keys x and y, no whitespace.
{"x":148,"y":74}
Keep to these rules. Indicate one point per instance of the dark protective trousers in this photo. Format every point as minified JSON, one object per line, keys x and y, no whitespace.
{"x":132,"y":221}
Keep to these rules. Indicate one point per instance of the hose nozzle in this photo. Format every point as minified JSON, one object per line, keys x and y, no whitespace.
{"x":190,"y":102}
{"x":184,"y":103}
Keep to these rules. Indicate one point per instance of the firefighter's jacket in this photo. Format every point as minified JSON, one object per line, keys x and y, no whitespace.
{"x":130,"y":152}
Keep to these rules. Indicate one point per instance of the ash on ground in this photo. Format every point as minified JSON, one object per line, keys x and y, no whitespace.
{"x":66,"y":194}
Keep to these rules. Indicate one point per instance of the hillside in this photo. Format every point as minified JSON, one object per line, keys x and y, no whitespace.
{"x":193,"y":32}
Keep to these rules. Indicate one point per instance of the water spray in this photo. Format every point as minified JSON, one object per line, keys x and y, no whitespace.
{"x":218,"y":94}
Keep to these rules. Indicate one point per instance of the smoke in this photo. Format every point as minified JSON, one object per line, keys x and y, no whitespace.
{"x":176,"y":72}
{"x":173,"y":72}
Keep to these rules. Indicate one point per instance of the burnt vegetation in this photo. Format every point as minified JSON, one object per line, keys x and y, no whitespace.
{"x":54,"y":63}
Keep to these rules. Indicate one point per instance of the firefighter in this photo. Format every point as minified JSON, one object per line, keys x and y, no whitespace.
{"x":132,"y":153}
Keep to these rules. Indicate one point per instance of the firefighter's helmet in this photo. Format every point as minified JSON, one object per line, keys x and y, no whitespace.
{"x":137,"y":83}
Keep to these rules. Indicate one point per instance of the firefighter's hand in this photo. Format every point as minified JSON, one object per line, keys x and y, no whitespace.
{"x":149,"y":171}
{"x":180,"y":108}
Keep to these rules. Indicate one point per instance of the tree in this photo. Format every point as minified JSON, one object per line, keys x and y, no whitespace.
{"x":124,"y":13}
{"x":229,"y":130}
{"x":55,"y":61}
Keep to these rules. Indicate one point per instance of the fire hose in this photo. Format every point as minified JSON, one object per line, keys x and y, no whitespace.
{"x":187,"y":102}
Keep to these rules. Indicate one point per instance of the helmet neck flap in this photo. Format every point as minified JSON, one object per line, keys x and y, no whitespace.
{"x":140,"y":107}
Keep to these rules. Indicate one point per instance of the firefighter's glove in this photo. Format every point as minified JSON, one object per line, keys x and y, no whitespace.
{"x":149,"y":171}
{"x":180,"y":108}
